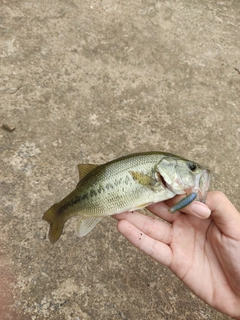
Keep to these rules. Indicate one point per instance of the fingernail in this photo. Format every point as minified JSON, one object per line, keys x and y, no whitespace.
{"x":200,"y":210}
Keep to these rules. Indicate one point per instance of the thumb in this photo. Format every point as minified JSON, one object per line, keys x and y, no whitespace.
{"x":219,"y":208}
{"x":224,"y":214}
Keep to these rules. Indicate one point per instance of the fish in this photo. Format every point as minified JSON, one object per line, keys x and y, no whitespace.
{"x":128,"y":183}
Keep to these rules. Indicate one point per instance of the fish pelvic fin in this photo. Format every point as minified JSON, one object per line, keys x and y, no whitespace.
{"x":56,"y":222}
{"x":141,"y":206}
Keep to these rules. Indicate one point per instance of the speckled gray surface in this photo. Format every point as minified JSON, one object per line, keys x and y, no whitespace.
{"x":88,"y":81}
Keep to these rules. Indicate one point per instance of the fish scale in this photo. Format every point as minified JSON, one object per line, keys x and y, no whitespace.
{"x":116,"y":182}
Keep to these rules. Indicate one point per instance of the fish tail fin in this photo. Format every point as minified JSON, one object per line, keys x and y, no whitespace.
{"x":56,"y":222}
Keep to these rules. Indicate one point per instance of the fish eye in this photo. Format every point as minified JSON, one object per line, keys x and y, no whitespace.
{"x":192,"y":166}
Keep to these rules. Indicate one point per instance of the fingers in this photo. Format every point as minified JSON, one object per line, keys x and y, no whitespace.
{"x":218,"y":207}
{"x":161,"y":209}
{"x":154,"y":228}
{"x":224,"y":214}
{"x":153,"y":248}
{"x":196,"y":208}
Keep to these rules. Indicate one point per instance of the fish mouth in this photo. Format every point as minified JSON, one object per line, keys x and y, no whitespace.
{"x":201,"y":185}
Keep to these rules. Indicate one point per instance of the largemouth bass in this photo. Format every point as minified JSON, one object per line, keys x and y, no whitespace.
{"x":128,"y":183}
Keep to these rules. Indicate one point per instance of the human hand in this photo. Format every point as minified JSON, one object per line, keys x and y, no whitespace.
{"x":200,"y":244}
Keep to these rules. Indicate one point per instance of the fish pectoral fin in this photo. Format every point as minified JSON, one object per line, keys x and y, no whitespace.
{"x":143,"y":179}
{"x":85,"y":225}
{"x":141,"y":206}
{"x":84,"y":169}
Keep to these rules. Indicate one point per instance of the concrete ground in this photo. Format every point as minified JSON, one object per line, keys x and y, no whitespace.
{"x":89,"y":81}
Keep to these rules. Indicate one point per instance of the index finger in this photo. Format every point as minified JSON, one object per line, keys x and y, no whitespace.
{"x":161,"y":209}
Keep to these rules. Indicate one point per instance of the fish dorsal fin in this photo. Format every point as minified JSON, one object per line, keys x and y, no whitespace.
{"x":84,"y":169}
{"x":84,"y":226}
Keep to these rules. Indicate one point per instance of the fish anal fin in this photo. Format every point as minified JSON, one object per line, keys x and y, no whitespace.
{"x":143,"y":178}
{"x":85,"y":225}
{"x":85,"y":168}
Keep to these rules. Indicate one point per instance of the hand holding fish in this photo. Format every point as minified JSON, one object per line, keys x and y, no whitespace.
{"x":200,"y":244}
